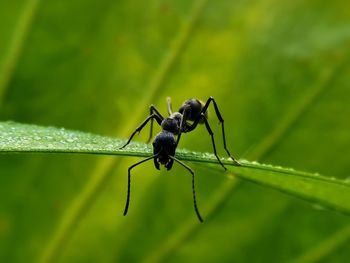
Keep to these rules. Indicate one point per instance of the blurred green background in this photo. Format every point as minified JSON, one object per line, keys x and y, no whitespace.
{"x":280,"y":73}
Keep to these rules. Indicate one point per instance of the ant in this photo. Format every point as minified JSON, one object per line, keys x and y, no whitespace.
{"x":166,"y":142}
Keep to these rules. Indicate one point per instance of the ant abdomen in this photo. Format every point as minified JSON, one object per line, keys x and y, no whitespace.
{"x":193,"y":108}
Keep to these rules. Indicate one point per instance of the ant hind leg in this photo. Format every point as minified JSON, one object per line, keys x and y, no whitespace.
{"x":212,"y":140}
{"x":221,"y":120}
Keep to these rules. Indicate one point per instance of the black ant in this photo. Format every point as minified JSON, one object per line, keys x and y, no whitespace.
{"x":165,"y":142}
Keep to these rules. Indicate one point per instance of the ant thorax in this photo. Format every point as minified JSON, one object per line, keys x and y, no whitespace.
{"x":172,"y":123}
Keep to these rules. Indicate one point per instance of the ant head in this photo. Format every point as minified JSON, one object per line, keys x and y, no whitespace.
{"x":164,"y":145}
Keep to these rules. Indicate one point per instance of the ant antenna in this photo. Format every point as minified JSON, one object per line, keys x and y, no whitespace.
{"x":170,"y":108}
{"x":193,"y":188}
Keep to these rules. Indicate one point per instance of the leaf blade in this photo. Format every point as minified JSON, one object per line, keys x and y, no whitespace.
{"x":329,"y":192}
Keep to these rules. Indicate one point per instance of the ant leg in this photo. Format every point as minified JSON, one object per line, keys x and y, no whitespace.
{"x":178,"y":139}
{"x":153,"y":110}
{"x":212,"y":139}
{"x":129,"y":182}
{"x":193,"y":188}
{"x":138,"y":129}
{"x":170,"y":108}
{"x":183,"y":120}
{"x":221,"y":120}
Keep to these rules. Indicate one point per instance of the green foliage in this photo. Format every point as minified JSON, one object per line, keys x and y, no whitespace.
{"x":279,"y":71}
{"x":16,"y":137}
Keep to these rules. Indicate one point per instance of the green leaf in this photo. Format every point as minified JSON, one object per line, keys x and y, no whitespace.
{"x":16,"y":137}
{"x":324,"y":191}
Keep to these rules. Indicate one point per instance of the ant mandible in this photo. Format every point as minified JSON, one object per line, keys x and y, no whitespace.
{"x":165,"y":143}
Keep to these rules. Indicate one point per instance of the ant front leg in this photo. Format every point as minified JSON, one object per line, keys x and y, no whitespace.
{"x":153,"y":110}
{"x":138,"y":129}
{"x":193,"y":186}
{"x":129,"y":181}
